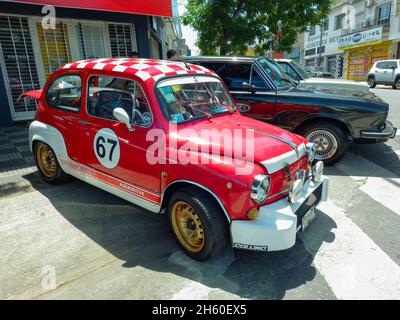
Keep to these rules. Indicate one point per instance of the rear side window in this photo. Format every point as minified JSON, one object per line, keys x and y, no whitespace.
{"x":381,"y":65}
{"x":65,"y":93}
{"x":235,"y":74}
{"x":106,"y":93}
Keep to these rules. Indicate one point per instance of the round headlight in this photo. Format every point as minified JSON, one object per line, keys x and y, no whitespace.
{"x":260,"y":188}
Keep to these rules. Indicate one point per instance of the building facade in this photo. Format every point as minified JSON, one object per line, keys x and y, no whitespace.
{"x":30,"y":51}
{"x":355,"y":35}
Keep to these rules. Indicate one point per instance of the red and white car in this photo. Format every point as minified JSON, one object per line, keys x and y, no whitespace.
{"x":167,"y":137}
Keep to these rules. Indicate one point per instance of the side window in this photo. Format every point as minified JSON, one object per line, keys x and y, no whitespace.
{"x":257,"y":81}
{"x":235,"y":74}
{"x":106,"y":93}
{"x":289,"y":71}
{"x":381,"y":65}
{"x":392,"y":64}
{"x":65,"y":93}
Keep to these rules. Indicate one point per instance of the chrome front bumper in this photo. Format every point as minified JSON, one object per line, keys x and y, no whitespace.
{"x":389,"y":132}
{"x":278,"y":223}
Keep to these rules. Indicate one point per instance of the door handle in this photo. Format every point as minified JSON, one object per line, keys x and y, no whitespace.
{"x":84,"y":122}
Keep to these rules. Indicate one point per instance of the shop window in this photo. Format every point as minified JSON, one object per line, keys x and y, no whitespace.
{"x":54,"y":47}
{"x":91,"y":41}
{"x":107,"y":93}
{"x":383,"y":14}
{"x":18,"y":65}
{"x":65,"y":93}
{"x":339,"y":21}
{"x":122,"y":39}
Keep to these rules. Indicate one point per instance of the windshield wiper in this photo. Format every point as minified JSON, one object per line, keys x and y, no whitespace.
{"x":209,"y":115}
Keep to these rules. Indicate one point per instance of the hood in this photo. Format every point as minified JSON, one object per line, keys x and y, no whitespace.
{"x":336,"y":93}
{"x":269,"y":144}
{"x":335,"y":83}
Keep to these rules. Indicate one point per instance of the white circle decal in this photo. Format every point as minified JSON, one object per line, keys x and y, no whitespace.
{"x":106,"y":148}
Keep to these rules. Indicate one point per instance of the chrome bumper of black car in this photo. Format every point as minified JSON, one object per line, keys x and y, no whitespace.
{"x":389,"y":132}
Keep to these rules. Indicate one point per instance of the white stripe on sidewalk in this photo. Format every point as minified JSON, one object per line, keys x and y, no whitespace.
{"x":378,"y":185}
{"x":352,"y":264}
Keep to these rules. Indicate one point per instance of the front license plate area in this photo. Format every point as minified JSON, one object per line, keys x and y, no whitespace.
{"x":306,"y":212}
{"x":307,"y":218}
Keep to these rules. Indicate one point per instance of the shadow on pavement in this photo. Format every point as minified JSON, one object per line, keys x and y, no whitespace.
{"x":367,"y":160}
{"x":141,"y":238}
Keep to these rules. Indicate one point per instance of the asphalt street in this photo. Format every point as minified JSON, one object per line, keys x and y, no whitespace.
{"x":77,"y":242}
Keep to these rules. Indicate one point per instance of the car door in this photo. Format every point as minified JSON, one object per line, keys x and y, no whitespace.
{"x":390,"y":71}
{"x":63,"y":99}
{"x":380,"y":71}
{"x":116,"y":154}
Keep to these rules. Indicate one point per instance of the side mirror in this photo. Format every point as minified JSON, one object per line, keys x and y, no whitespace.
{"x":121,"y":115}
{"x":393,"y":67}
{"x":248,"y":86}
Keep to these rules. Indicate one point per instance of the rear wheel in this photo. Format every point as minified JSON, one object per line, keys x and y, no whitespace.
{"x":371,"y":82}
{"x":48,"y":165}
{"x":198,"y":223}
{"x":330,"y":141}
{"x":396,"y":84}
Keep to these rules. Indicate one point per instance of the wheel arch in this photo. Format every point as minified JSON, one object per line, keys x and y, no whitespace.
{"x":326,"y":119}
{"x":180,"y":184}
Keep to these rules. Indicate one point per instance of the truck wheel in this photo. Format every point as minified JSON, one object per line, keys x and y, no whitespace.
{"x":331,"y":142}
{"x":371,"y":82}
{"x":396,"y":84}
{"x":48,"y":165}
{"x":198,"y":223}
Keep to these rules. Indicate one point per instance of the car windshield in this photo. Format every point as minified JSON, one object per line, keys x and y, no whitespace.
{"x":276,"y":73}
{"x":193,"y":97}
{"x":300,"y":70}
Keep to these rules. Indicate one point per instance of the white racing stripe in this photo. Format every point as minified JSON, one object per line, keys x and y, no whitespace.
{"x":352,"y":264}
{"x":386,"y":191}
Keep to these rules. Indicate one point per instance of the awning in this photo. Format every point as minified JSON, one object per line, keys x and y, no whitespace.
{"x":147,"y":7}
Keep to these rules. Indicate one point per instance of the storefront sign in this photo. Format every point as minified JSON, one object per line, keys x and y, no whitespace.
{"x":360,"y":37}
{"x":147,"y":7}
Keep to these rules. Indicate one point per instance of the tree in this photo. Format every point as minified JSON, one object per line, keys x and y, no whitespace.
{"x":235,"y":25}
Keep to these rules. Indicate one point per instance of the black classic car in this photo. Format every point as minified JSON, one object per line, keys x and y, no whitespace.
{"x":327,"y":116}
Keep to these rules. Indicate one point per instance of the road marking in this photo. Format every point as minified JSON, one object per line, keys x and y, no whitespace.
{"x":380,"y":185}
{"x":352,"y":264}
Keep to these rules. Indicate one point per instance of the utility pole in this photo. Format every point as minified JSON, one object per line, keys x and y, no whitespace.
{"x":320,"y":45}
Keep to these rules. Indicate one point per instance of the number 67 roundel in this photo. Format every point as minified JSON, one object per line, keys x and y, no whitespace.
{"x":106,"y":148}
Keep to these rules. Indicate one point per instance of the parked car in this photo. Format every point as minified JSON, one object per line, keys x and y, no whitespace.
{"x":298,"y":73}
{"x":129,"y":127}
{"x":329,"y":117}
{"x":386,"y":72}
{"x":319,"y":72}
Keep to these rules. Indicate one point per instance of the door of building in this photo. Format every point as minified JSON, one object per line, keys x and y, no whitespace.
{"x":18,"y":65}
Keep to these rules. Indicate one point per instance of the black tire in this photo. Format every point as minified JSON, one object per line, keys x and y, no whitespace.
{"x":326,"y":131}
{"x":371,"y":82}
{"x":396,"y":84}
{"x":58,"y":176}
{"x":213,"y":222}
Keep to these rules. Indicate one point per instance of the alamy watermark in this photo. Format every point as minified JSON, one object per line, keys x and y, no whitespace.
{"x":208,"y":146}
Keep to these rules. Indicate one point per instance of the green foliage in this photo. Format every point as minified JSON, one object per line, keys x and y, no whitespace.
{"x":234,"y":25}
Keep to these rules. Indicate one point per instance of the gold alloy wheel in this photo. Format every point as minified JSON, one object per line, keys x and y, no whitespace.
{"x":187,"y":226}
{"x":46,"y":161}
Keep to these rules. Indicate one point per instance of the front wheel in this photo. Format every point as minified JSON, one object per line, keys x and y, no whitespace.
{"x":330,"y":141}
{"x":396,"y":84}
{"x":198,"y":223}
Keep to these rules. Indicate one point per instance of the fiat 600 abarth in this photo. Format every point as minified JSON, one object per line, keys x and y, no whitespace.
{"x":167,"y":136}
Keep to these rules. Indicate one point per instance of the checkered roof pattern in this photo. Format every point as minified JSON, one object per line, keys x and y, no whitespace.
{"x":148,"y":70}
